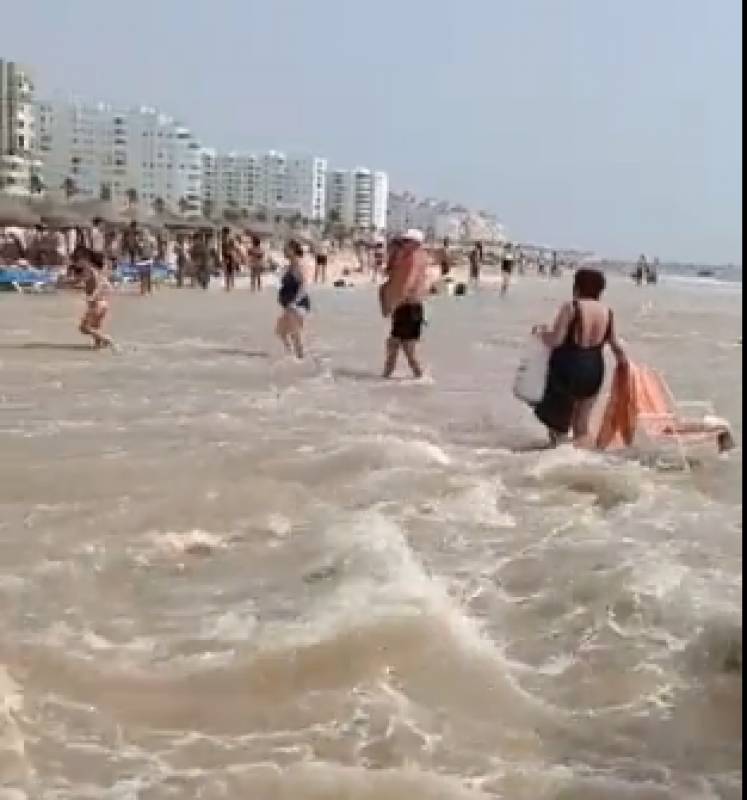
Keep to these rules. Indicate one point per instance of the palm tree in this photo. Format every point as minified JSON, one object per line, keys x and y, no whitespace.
{"x":183,"y":205}
{"x":36,"y":184}
{"x":159,"y":206}
{"x":131,"y":195}
{"x":69,"y":187}
{"x":105,"y":192}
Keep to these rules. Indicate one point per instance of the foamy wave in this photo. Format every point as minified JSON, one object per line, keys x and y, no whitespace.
{"x":13,"y":765}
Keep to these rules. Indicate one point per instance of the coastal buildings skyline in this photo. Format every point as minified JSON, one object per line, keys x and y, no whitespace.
{"x":71,"y":147}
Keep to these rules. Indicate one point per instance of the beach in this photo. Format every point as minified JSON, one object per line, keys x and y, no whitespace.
{"x":226,"y":574}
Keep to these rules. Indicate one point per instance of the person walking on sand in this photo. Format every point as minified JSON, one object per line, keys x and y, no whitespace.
{"x":256,"y":264}
{"x":199,"y":257}
{"x":405,"y":291}
{"x":294,"y":301}
{"x":98,"y":291}
{"x":228,"y":258}
{"x":575,"y":375}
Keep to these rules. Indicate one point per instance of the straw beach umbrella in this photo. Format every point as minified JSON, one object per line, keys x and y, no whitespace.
{"x":57,"y":215}
{"x":15,"y":212}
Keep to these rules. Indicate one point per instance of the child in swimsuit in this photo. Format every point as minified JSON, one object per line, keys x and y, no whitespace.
{"x":98,"y":291}
{"x":294,"y":300}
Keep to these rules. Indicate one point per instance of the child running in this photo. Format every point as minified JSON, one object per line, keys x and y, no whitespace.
{"x":294,"y":300}
{"x":98,"y":291}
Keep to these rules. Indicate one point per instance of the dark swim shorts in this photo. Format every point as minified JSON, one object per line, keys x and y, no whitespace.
{"x":407,"y":322}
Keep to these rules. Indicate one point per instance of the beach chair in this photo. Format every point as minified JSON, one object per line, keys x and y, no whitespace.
{"x":643,"y":413}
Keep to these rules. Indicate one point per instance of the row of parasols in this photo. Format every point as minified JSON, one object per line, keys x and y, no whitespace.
{"x":28,"y":212}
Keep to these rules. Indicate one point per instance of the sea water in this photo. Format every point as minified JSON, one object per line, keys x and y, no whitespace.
{"x":224,"y":574}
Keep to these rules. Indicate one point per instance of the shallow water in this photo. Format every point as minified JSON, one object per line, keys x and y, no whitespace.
{"x":228,"y":575}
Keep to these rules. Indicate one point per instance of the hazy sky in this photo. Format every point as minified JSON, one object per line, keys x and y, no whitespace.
{"x":611,"y":124}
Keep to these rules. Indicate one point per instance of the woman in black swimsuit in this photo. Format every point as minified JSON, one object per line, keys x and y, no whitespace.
{"x":576,"y":370}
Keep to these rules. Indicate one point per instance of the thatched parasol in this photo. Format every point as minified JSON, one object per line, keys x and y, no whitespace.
{"x":15,"y":212}
{"x":101,"y":209}
{"x":56,"y":214}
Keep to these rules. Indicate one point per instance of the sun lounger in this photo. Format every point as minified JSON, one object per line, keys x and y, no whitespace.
{"x":642,"y":413}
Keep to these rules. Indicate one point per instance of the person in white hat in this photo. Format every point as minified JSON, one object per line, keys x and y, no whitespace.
{"x":408,"y":279}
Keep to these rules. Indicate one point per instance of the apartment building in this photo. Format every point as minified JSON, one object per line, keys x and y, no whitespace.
{"x":18,"y":158}
{"x":359,"y":197}
{"x":273,"y":182}
{"x":95,"y":150}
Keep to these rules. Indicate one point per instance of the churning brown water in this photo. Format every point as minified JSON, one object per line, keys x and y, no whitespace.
{"x":227,"y":575}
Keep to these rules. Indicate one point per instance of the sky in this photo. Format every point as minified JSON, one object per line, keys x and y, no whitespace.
{"x":612,"y":126}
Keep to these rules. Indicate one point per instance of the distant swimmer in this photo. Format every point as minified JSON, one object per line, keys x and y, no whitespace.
{"x":402,"y":296}
{"x":294,"y":300}
{"x":641,"y":270}
{"x":98,"y":292}
{"x":576,"y":369}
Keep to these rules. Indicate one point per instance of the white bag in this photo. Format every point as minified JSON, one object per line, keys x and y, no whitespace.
{"x":531,"y":374}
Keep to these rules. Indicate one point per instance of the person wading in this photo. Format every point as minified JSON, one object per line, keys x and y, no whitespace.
{"x":403,"y":296}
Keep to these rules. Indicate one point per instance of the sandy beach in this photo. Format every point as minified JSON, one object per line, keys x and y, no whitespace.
{"x":225,"y":574}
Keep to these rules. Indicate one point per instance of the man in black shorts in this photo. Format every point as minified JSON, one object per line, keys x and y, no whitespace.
{"x":410,"y":270}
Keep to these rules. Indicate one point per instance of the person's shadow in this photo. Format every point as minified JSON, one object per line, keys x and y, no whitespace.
{"x":82,"y":347}
{"x":237,"y":351}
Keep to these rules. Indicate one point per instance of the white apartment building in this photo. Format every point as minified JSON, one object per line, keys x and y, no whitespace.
{"x":306,"y":185}
{"x":105,"y":151}
{"x":230,"y":181}
{"x":18,"y":159}
{"x":360,"y":197}
{"x":273,"y":182}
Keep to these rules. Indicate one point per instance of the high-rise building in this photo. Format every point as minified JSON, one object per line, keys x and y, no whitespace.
{"x":273,"y":182}
{"x":94,"y":150}
{"x":359,"y":197}
{"x":18,"y":157}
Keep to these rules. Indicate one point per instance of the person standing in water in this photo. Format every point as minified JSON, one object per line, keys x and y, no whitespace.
{"x":378,"y":263}
{"x":294,"y":301}
{"x":256,"y":264}
{"x":575,"y":375}
{"x":507,"y":268}
{"x":98,"y":291}
{"x":641,"y":270}
{"x":474,"y":264}
{"x":321,"y":257}
{"x":408,"y":277}
{"x":444,"y":258}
